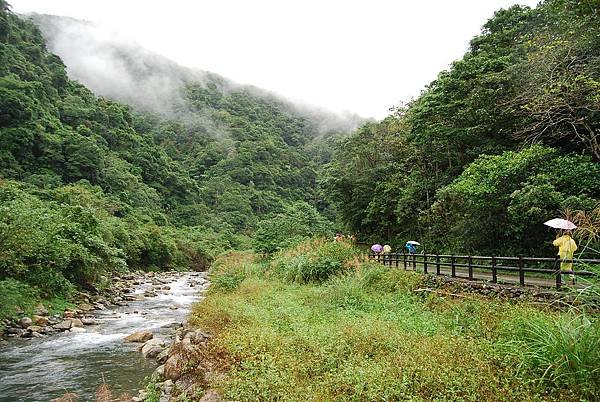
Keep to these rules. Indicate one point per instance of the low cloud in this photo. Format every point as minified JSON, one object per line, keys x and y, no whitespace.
{"x":116,"y":67}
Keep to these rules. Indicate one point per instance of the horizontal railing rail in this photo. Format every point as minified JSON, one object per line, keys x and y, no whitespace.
{"x":476,"y":267}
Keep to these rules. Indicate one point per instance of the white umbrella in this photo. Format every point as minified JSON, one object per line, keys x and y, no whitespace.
{"x":416,"y":243}
{"x":558,"y":223}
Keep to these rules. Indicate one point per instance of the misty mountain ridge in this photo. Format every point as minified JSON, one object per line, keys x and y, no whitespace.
{"x":118,"y":68}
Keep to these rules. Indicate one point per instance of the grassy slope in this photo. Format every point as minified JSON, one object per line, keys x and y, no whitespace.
{"x":362,"y":334}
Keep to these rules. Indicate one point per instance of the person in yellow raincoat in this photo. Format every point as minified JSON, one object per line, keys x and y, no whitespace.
{"x":566,"y":247}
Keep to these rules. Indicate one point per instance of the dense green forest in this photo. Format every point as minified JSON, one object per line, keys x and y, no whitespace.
{"x":505,"y":139}
{"x":89,"y":186}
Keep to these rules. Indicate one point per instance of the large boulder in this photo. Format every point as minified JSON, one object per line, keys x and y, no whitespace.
{"x":64,"y":325}
{"x":25,"y":322}
{"x":159,"y":373}
{"x":153,"y":347}
{"x":13,"y":331}
{"x":40,"y":320}
{"x":88,"y":321}
{"x":140,"y":336}
{"x":76,"y":322}
{"x":182,"y":355}
{"x":162,"y":357}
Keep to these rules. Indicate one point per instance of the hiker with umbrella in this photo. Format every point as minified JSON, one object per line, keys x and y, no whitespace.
{"x":566,"y":245}
{"x":411,"y":246}
{"x":377,"y":249}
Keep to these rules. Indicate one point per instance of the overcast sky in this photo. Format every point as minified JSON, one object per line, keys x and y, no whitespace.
{"x":359,"y":56}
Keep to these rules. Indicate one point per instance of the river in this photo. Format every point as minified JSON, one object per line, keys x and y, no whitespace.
{"x":45,"y":368}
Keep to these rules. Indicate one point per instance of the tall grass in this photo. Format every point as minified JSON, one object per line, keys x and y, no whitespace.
{"x":360,"y":332}
{"x":314,"y":261}
{"x":564,"y":351}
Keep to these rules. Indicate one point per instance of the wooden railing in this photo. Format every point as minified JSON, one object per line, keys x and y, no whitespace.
{"x":528,"y":270}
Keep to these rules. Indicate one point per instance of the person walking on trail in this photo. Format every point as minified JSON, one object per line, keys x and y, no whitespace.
{"x":566,"y":247}
{"x":387,"y":249}
{"x":411,"y":248}
{"x":377,"y":249}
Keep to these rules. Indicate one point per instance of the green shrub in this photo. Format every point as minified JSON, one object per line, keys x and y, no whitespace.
{"x":49,"y":282}
{"x":230,"y":269}
{"x":314,"y":261}
{"x":382,"y":279}
{"x":15,"y":297}
{"x":228,"y":281}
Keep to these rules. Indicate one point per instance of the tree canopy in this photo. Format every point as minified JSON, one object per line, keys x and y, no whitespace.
{"x":503,"y":140}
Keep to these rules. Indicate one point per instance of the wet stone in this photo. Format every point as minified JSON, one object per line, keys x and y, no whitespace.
{"x":140,"y":336}
{"x":40,"y":320}
{"x":88,"y":321}
{"x":25,"y":322}
{"x":63,"y":326}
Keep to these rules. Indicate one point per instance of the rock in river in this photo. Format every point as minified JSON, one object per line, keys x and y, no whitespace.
{"x":76,"y":322}
{"x":140,"y":336}
{"x":63,"y":325}
{"x":88,"y":321}
{"x":153,"y":347}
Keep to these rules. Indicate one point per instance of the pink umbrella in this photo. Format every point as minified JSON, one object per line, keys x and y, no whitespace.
{"x":376,"y":248}
{"x":558,"y":223}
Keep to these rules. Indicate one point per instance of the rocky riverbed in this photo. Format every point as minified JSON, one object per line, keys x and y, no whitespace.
{"x":118,"y":337}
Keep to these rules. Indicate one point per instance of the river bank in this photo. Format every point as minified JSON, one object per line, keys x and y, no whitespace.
{"x":47,"y":355}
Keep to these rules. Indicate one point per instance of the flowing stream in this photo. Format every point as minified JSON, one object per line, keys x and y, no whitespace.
{"x":45,"y":368}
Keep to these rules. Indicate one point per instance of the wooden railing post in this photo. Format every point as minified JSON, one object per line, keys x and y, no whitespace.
{"x":437,"y":264}
{"x":521,"y":272}
{"x":453,"y":267}
{"x":494,"y":271}
{"x":558,"y":273}
{"x":425,"y":263}
{"x":414,"y":262}
{"x":470,"y":266}
{"x":404,"y":259}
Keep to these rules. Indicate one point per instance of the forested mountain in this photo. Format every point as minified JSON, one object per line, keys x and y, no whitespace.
{"x":89,"y":186}
{"x":503,"y":140}
{"x":248,"y":150}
